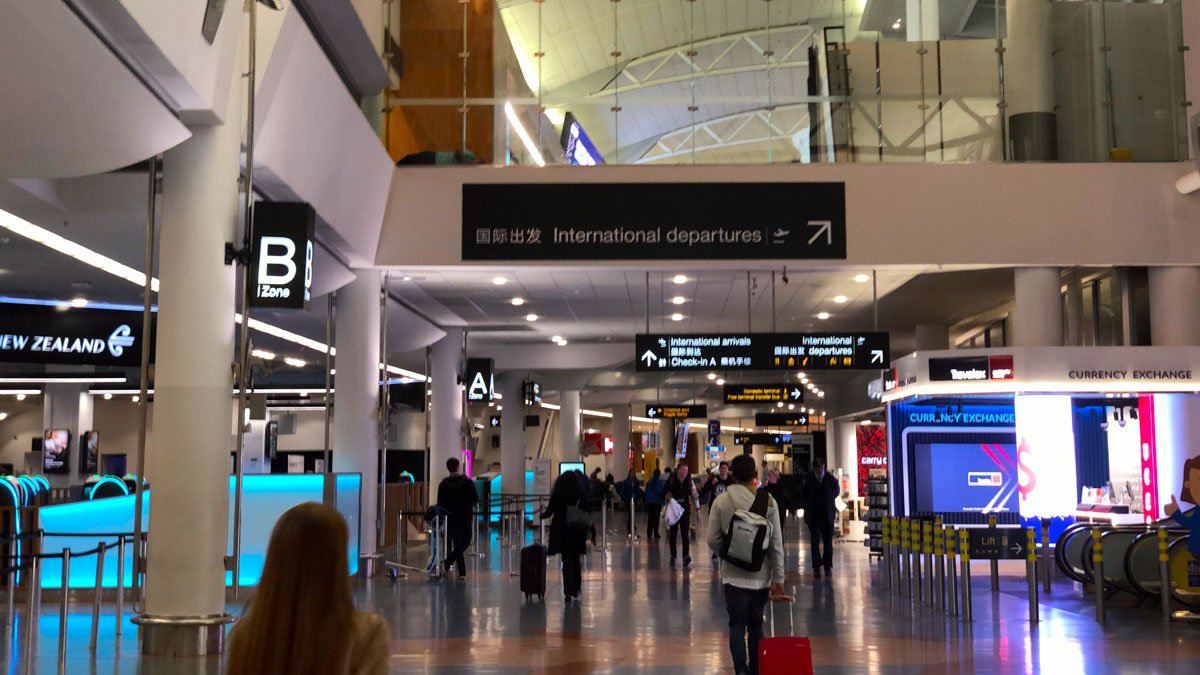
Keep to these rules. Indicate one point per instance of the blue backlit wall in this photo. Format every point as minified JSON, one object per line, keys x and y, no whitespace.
{"x":265,"y":498}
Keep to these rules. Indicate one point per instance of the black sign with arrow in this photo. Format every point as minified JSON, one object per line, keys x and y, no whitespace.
{"x":493,"y":421}
{"x":654,"y":221}
{"x":762,"y":351}
{"x":762,"y":439}
{"x":780,"y":419}
{"x":658,"y":411}
{"x":763,"y":393}
{"x":990,"y":543}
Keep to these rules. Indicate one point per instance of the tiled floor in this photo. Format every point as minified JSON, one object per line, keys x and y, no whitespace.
{"x":639,"y":615}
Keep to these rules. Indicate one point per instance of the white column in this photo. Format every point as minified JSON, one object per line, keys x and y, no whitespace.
{"x":620,"y":434}
{"x":569,"y":427}
{"x":512,"y":434}
{"x":666,"y":435}
{"x":1038,"y":317}
{"x":445,"y":428}
{"x":356,"y":399}
{"x":189,"y":511}
{"x":922,"y":20}
{"x":1174,"y":311}
{"x":1029,"y":80}
{"x":931,"y":337}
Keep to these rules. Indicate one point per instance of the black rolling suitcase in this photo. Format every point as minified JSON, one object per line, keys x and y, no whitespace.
{"x":533,"y":571}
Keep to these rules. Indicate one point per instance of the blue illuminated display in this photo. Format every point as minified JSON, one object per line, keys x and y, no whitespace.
{"x":578,"y":145}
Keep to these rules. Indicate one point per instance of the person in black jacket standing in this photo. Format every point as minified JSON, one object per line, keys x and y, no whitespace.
{"x":456,"y":494}
{"x":681,"y":488}
{"x":819,"y":514}
{"x":569,"y":543}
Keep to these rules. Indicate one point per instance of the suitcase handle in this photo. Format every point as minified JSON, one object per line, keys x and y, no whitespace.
{"x":791,"y":604}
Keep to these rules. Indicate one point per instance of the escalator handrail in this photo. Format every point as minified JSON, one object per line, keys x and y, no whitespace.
{"x":1121,"y":584}
{"x":1060,"y":549}
{"x":1140,"y":540}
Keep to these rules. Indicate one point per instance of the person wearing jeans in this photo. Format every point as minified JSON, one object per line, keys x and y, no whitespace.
{"x":747,"y":593}
{"x":654,"y":504}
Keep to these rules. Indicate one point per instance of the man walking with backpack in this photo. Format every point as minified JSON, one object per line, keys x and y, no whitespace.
{"x":456,"y":494}
{"x":743,"y":527}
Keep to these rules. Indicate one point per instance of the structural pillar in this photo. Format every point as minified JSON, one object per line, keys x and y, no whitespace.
{"x":931,"y":337}
{"x":356,"y":400}
{"x":666,"y":436}
{"x":620,"y":434}
{"x":189,"y":514}
{"x":445,"y":428}
{"x":1174,"y":313}
{"x":1038,"y":316}
{"x":922,"y":20}
{"x":67,"y":406}
{"x":512,"y":434}
{"x":1029,"y":81}
{"x":569,"y":427}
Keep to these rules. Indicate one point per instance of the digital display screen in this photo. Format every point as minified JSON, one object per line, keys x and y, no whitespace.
{"x":56,"y":450}
{"x":564,"y":467}
{"x":966,"y":477}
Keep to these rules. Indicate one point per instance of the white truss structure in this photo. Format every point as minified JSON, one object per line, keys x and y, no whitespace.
{"x":748,"y":128}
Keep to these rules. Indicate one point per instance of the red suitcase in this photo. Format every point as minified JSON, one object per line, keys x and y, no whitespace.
{"x":784,"y":655}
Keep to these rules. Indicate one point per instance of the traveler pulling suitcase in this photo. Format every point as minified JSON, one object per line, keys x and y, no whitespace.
{"x":784,"y":655}
{"x":533,"y":571}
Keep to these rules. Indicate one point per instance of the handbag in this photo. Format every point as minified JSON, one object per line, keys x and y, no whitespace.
{"x":578,"y":519}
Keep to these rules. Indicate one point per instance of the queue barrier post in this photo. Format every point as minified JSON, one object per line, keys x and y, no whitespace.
{"x":1047,"y":566}
{"x":33,"y":601}
{"x":1031,"y":573}
{"x":98,"y":595}
{"x":897,"y":553}
{"x":64,"y":605}
{"x":633,"y":535}
{"x":1164,"y":575}
{"x":1098,"y":575}
{"x":927,"y":559}
{"x":951,"y":569}
{"x":887,"y":553}
{"x":604,"y":525}
{"x":964,"y":550}
{"x":120,"y":584}
{"x":994,"y":564}
{"x":12,"y":562}
{"x":905,"y":568}
{"x":918,"y":564}
{"x":542,"y":521}
{"x":939,"y":559}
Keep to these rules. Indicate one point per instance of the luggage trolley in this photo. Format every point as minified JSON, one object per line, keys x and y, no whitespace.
{"x":437,"y":521}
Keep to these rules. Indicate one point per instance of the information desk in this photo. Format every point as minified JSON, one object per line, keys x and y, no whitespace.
{"x":264,"y":499}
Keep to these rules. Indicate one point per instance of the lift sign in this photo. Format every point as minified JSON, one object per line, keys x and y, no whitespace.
{"x":282,"y":255}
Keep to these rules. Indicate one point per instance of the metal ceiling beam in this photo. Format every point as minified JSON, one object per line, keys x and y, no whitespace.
{"x":728,"y":131}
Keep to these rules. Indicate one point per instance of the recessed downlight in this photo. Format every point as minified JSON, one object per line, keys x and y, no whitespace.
{"x":840,"y":299}
{"x":531,"y":317}
{"x":680,"y":279}
{"x":712,"y":376}
{"x":823,"y":315}
{"x":79,"y":302}
{"x":517,"y":301}
{"x":677,"y":317}
{"x":678,"y":300}
{"x":720,"y":381}
{"x":556,"y":338}
{"x":499,"y":281}
{"x":862,"y":278}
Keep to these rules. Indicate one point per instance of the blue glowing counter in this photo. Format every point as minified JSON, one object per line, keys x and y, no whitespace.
{"x":264,"y":499}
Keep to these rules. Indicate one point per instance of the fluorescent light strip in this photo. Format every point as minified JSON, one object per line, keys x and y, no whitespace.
{"x":63,"y":380}
{"x":20,"y":392}
{"x":40,"y":302}
{"x":530,"y":147}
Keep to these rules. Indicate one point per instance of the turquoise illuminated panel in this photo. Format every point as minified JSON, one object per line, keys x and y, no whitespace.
{"x":264,"y":499}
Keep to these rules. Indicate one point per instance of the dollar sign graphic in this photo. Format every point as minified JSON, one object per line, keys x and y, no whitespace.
{"x":1026,"y":479}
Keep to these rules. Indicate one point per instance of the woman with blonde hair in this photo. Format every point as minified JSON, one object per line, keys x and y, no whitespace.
{"x":301,"y":620}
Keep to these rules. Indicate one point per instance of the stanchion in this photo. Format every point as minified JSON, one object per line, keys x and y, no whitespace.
{"x":918,"y":567}
{"x":1047,"y":566}
{"x":939,"y":560}
{"x":994,"y":564}
{"x":64,"y":606}
{"x":542,"y":522}
{"x":633,"y":536}
{"x":1164,"y":575}
{"x":897,"y":572}
{"x":99,"y":595}
{"x":33,"y":602}
{"x":604,"y":525}
{"x":120,"y":584}
{"x":12,"y":561}
{"x":1098,"y":576}
{"x":951,"y":569}
{"x":964,"y":551}
{"x":1031,"y":573}
{"x":885,"y":538}
{"x":908,"y":557}
{"x":927,"y":559}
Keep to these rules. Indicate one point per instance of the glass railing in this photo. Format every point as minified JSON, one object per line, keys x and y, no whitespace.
{"x":710,"y":81}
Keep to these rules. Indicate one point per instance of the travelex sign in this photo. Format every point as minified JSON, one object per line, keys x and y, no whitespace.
{"x":654,"y":221}
{"x":281,"y":257}
{"x":762,"y":351}
{"x":70,"y":336}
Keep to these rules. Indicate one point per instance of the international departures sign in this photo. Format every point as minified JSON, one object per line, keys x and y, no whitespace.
{"x":654,"y":221}
{"x":762,"y":351}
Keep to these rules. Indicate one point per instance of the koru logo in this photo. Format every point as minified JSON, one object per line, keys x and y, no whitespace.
{"x":121,"y":338}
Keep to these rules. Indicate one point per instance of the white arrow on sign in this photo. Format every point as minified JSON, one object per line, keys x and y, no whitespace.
{"x":1017,"y":548}
{"x":824,"y":227}
{"x":796,"y":394}
{"x":651,"y":412}
{"x":649,"y":357}
{"x":876,"y":356}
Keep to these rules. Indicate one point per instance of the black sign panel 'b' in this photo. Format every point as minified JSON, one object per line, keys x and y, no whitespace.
{"x":281,"y":256}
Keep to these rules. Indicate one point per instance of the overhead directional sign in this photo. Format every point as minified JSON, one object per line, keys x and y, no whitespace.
{"x":654,"y":221}
{"x":763,"y":393}
{"x":762,"y":439}
{"x":659,"y":411}
{"x":479,"y":380}
{"x":763,"y":351}
{"x":995,"y":543}
{"x":494,"y":421}
{"x":789,"y":419}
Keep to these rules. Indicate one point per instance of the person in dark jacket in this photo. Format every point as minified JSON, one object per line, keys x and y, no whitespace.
{"x":819,"y":514}
{"x":717,"y":484}
{"x":567,"y":542}
{"x":456,"y":494}
{"x":630,"y":490}
{"x":654,"y":504}
{"x":681,"y":488}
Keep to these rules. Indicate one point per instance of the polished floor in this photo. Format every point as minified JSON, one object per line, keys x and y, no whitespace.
{"x":639,"y":615}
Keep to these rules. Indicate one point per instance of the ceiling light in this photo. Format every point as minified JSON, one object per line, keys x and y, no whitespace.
{"x":136,"y":398}
{"x":108,"y":397}
{"x":499,"y":281}
{"x":20,"y":397}
{"x":712,"y":376}
{"x":678,"y":300}
{"x":295,"y":363}
{"x":50,"y":379}
{"x":517,"y":302}
{"x":526,"y":140}
{"x":680,"y":279}
{"x":677,"y":317}
{"x":823,"y":315}
{"x":263,"y":354}
{"x":3,"y":416}
{"x":865,"y":423}
{"x":779,"y":404}
{"x":862,"y":278}
{"x":405,"y":278}
{"x":820,"y":394}
{"x":791,"y":406}
{"x":562,"y":343}
{"x":840,"y":299}
{"x":896,"y":25}
{"x":531,"y":317}
{"x":79,"y":302}
{"x":556,"y":338}
{"x":720,"y":381}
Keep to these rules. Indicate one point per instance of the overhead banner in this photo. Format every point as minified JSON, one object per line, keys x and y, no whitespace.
{"x":654,"y":221}
{"x":676,"y":411}
{"x":281,"y":255}
{"x":971,"y":368}
{"x":762,"y":439}
{"x":763,"y":393}
{"x":780,"y":419}
{"x":479,"y":380}
{"x":762,"y":351}
{"x":71,"y":336}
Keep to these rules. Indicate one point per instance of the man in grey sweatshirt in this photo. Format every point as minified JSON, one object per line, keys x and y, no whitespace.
{"x":746,"y":593}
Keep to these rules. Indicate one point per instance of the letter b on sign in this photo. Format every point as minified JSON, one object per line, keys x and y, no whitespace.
{"x":276,"y":253}
{"x":282,"y":256}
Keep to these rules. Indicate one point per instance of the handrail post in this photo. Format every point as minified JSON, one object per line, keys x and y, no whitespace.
{"x":64,"y":605}
{"x":927,"y":558}
{"x":951,"y":569}
{"x":33,"y":600}
{"x":994,"y":564}
{"x":1098,"y":575}
{"x":99,"y":595}
{"x":1164,"y":575}
{"x":1031,"y":569}
{"x":939,"y":559}
{"x":964,"y":550}
{"x":120,"y":583}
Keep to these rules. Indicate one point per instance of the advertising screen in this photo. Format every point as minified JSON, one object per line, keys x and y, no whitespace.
{"x":966,"y":477}
{"x":89,"y":450}
{"x":56,"y":450}
{"x":564,"y":467}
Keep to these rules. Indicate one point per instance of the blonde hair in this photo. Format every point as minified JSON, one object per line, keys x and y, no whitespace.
{"x":301,"y":619}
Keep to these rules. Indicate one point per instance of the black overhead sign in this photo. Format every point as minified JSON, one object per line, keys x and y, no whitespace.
{"x":658,"y":411}
{"x":281,"y":256}
{"x":763,"y":351}
{"x":971,"y":368}
{"x":992,"y":543}
{"x":763,"y":393}
{"x":71,"y":336}
{"x":479,"y":381}
{"x":654,"y":221}
{"x":789,"y":419}
{"x":762,"y":439}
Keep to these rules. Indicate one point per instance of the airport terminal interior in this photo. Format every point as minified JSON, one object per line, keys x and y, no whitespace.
{"x":422,"y":336}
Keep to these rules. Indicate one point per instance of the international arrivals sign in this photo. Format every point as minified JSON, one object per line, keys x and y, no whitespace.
{"x":762,"y":351}
{"x":70,"y":336}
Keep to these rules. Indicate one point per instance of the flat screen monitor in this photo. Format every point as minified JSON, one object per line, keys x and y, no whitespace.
{"x":56,"y":451}
{"x":89,"y":450}
{"x":966,"y":477}
{"x":564,"y":467}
